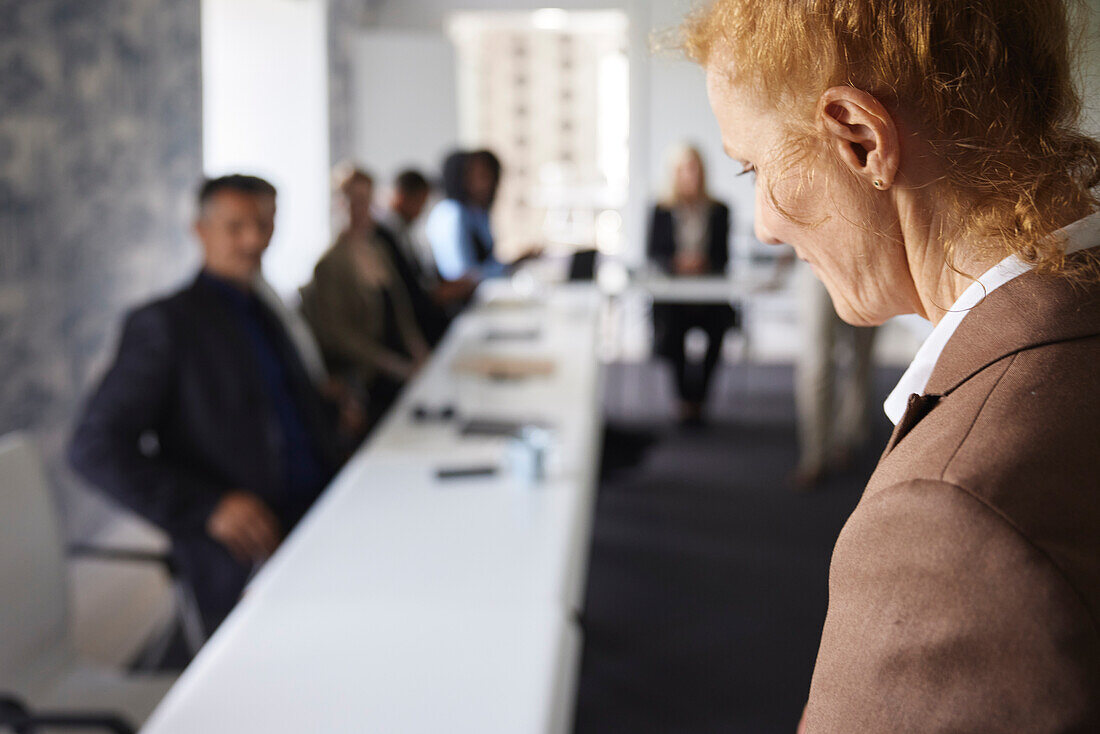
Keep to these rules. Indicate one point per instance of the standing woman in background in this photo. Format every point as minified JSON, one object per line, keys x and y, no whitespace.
{"x":689,"y":236}
{"x":925,"y":157}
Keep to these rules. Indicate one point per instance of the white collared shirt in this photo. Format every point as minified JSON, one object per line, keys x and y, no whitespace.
{"x":1081,"y":235}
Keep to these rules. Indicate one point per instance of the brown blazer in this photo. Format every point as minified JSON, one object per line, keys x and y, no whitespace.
{"x":346,"y":304}
{"x":964,"y":591}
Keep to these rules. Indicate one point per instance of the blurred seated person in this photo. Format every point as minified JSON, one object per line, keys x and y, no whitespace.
{"x":359,"y":307}
{"x":689,"y":236}
{"x":435,"y":300}
{"x":459,"y":227}
{"x":208,"y":423}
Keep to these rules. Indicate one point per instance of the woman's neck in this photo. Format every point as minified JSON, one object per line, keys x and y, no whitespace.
{"x":940,"y":272}
{"x":359,"y":229}
{"x":691,"y":202}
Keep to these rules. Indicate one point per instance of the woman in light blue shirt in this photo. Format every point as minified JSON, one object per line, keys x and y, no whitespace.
{"x":458,"y":227}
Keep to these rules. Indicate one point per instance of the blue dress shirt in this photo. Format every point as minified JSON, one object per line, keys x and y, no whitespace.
{"x":303,"y":468}
{"x":455,"y":231}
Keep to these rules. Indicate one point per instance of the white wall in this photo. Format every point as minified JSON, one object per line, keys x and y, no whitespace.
{"x":265,"y":112}
{"x":403,"y":101}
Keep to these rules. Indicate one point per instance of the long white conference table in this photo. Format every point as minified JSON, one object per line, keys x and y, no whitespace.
{"x":700,"y":289}
{"x":407,"y":603}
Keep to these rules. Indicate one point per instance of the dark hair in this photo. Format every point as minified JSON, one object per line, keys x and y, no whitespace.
{"x":455,"y":167}
{"x":454,"y":176}
{"x":239,"y":182}
{"x":489,"y":158}
{"x":411,"y":181}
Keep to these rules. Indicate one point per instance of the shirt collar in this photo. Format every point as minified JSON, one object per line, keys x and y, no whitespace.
{"x":1080,"y":235}
{"x":225,"y":287}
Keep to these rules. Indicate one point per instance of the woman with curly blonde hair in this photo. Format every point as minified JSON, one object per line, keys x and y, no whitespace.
{"x":923,"y":157}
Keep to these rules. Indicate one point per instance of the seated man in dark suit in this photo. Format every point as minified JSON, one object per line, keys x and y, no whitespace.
{"x":435,"y":300}
{"x":207,"y":423}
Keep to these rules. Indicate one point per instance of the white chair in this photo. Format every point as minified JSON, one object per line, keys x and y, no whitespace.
{"x":42,"y":680}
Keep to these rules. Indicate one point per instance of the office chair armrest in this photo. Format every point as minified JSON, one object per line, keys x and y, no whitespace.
{"x":15,"y":715}
{"x":127,"y":555}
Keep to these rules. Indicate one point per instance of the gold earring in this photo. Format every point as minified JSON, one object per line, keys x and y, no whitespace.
{"x":877,"y":183}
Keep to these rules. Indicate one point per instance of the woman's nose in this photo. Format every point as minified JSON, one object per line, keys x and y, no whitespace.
{"x":762,"y":216}
{"x":765,"y":234}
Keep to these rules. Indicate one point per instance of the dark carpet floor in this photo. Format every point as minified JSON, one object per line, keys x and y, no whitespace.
{"x":708,"y":575}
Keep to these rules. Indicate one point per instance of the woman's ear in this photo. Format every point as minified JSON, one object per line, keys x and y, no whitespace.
{"x":863,"y":134}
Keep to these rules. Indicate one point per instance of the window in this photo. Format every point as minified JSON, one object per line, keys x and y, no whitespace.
{"x":548,"y":92}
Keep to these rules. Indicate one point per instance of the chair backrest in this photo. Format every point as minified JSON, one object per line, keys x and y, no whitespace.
{"x":33,"y":617}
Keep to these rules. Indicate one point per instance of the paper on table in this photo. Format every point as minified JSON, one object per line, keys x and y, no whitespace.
{"x":506,"y":367}
{"x":523,"y":334}
{"x":507,"y":303}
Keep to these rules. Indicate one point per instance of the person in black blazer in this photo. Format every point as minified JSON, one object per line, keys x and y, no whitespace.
{"x":689,"y":236}
{"x":207,"y":423}
{"x":406,"y":203}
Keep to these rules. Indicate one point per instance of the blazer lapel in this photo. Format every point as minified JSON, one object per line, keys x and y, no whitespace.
{"x":224,"y":333}
{"x":224,"y":337}
{"x":1028,"y":311}
{"x":915,"y":410}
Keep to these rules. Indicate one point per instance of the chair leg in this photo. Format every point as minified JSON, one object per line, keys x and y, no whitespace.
{"x":154,"y":653}
{"x":190,"y":618}
{"x":187,"y":620}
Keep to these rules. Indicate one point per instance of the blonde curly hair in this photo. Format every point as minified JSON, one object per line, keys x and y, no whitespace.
{"x":989,"y":83}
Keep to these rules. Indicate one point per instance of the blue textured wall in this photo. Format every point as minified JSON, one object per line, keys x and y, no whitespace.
{"x":100,"y":150}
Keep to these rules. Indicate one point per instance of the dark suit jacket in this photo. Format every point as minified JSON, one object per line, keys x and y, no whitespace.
{"x":182,"y":416}
{"x":430,"y":316}
{"x":964,"y":593}
{"x":661,"y":244}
